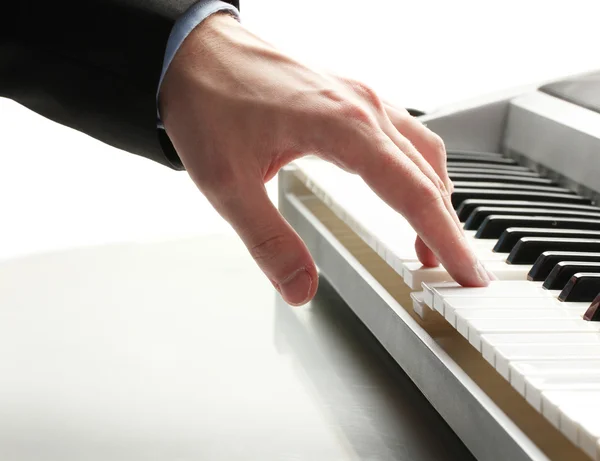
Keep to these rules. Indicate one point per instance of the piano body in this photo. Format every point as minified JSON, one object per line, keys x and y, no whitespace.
{"x":514,"y":368}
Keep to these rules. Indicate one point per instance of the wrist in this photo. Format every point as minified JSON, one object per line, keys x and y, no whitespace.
{"x":188,"y":24}
{"x":194,"y":58}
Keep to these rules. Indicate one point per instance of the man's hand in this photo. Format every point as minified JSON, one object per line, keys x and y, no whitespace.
{"x":237,"y":110}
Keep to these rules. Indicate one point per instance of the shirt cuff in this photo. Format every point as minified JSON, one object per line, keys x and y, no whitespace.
{"x":182,"y":28}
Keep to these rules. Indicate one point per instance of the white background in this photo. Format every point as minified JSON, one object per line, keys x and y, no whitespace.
{"x":59,"y":188}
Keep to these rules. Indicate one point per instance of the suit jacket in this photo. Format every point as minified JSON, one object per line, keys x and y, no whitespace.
{"x":93,"y":65}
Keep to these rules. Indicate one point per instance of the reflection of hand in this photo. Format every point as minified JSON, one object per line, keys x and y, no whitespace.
{"x":237,"y":110}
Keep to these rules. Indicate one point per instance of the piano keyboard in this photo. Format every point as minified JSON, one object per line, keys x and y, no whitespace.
{"x":535,"y":325}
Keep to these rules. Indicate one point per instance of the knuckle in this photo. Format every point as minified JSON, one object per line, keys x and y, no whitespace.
{"x":356,"y":113}
{"x":439,"y":184}
{"x":366,"y":93}
{"x":430,"y":193}
{"x":427,"y":195}
{"x":268,"y":248}
{"x":438,"y":146}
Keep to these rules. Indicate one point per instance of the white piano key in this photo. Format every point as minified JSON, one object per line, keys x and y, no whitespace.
{"x":496,"y":289}
{"x":535,"y":386}
{"x":519,"y":371}
{"x":525,"y":319}
{"x":453,"y":304}
{"x":504,"y":303}
{"x":554,"y":401}
{"x":523,"y":313}
{"x":427,"y":295}
{"x":418,"y":305}
{"x":415,"y":273}
{"x":505,"y":354}
{"x":580,"y":424}
{"x":489,"y":342}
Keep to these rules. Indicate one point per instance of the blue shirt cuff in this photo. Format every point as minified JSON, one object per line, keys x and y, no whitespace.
{"x":182,"y":28}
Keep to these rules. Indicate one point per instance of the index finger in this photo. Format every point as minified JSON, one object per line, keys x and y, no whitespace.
{"x":400,"y":183}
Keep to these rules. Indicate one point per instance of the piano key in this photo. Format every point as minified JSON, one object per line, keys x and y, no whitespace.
{"x":564,"y":270}
{"x":414,"y":273}
{"x":554,"y":401}
{"x":476,"y":177}
{"x":468,"y":206}
{"x":580,"y":424}
{"x":562,"y":408}
{"x":523,"y":312}
{"x":521,"y":370}
{"x":473,"y":152}
{"x":528,"y":249}
{"x":480,"y":213}
{"x":581,"y":287}
{"x":505,"y":354}
{"x":575,"y":413}
{"x":593,"y":312}
{"x":506,"y":186}
{"x":549,"y":259}
{"x":463,"y":318}
{"x":473,"y":329}
{"x":437,"y":294}
{"x":418,"y":304}
{"x":494,"y":225}
{"x":461,"y":194}
{"x":453,"y":305}
{"x":488,"y":166}
{"x":536,"y":386}
{"x":478,"y":159}
{"x":452,"y":169}
{"x":511,"y":236}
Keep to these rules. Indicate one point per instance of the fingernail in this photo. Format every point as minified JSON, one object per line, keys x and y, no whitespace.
{"x":482,"y":273}
{"x":296,"y":288}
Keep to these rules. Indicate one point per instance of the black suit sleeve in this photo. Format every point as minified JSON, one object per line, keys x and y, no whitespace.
{"x":92,"y":65}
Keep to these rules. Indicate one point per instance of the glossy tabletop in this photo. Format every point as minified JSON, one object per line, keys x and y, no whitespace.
{"x":180,"y":350}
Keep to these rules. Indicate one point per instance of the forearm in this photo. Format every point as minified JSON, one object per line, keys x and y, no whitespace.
{"x":93,"y":66}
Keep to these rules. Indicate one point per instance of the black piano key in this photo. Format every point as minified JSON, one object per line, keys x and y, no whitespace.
{"x":512,"y":187}
{"x":495,"y":166}
{"x":480,"y":213}
{"x":452,"y":169}
{"x":472,"y":152}
{"x":581,"y":288}
{"x":468,"y":206}
{"x":548,"y":259}
{"x":564,"y":270}
{"x":480,"y":159}
{"x":528,"y":249}
{"x":511,"y":236}
{"x":593,"y":312}
{"x":493,"y":226}
{"x":461,"y":194}
{"x":495,"y":178}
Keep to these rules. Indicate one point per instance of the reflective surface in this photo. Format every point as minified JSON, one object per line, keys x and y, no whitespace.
{"x":181,"y":350}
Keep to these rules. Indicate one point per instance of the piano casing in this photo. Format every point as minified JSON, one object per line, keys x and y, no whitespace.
{"x":543,"y":126}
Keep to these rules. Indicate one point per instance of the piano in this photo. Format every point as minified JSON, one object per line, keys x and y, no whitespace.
{"x":513,"y":368}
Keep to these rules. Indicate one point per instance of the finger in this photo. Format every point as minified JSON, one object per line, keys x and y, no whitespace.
{"x":399,"y":182}
{"x":271,"y":241}
{"x":425,"y":255}
{"x":429,"y":144}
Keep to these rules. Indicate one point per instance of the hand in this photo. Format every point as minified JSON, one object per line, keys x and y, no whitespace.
{"x":237,"y":110}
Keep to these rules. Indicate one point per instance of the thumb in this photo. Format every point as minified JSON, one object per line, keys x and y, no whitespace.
{"x":275,"y":246}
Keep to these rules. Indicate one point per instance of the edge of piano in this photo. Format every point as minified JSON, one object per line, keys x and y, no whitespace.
{"x":466,"y":391}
